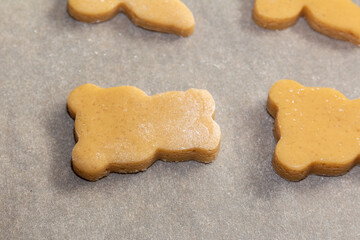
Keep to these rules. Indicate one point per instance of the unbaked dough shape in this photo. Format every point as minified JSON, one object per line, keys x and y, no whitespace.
{"x":338,"y":19}
{"x":121,"y":129}
{"x":318,"y":130}
{"x":171,"y":16}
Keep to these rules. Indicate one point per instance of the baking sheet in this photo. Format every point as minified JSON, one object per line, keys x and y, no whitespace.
{"x":44,"y":54}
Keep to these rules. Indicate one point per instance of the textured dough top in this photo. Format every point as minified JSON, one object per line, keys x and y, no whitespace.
{"x":336,"y":18}
{"x":122,"y":129}
{"x":159,"y":15}
{"x":318,"y":128}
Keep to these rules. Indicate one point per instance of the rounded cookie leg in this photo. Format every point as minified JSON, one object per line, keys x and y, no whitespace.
{"x":88,"y":162}
{"x":291,"y":161}
{"x":278,"y":14}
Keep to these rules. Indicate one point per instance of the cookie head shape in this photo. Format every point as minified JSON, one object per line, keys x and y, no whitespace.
{"x":339,"y":19}
{"x":170,"y":16}
{"x":318,"y":130}
{"x":123,"y":130}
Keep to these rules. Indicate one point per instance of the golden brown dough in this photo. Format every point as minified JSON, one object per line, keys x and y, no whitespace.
{"x":318,"y":130}
{"x":170,"y":16}
{"x":123,"y":130}
{"x":339,"y":19}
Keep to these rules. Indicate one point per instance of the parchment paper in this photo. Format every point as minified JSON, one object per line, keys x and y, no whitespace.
{"x":44,"y":54}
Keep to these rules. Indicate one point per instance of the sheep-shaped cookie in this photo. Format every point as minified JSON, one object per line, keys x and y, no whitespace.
{"x":123,"y":130}
{"x":318,"y":130}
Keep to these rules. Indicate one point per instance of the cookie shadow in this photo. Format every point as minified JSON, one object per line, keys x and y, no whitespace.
{"x":262,"y":180}
{"x":303,"y":31}
{"x":60,"y":128}
{"x":59,"y":17}
{"x":246,"y":22}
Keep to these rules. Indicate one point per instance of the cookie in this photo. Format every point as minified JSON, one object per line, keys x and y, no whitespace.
{"x":339,"y":19}
{"x":170,"y":16}
{"x":318,"y":130}
{"x":123,"y":130}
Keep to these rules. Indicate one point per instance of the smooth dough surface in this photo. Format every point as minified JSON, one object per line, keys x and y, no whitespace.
{"x":318,"y":130}
{"x":170,"y":16}
{"x":339,"y":19}
{"x":123,"y":130}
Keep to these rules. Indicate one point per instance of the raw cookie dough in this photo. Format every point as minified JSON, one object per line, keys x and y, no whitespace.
{"x":170,"y":16}
{"x":318,"y":130}
{"x":339,"y":19}
{"x":123,"y":130}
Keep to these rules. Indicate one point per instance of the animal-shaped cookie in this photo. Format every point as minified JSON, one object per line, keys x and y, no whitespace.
{"x":170,"y":16}
{"x":318,"y":130}
{"x":339,"y":19}
{"x":123,"y":130}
